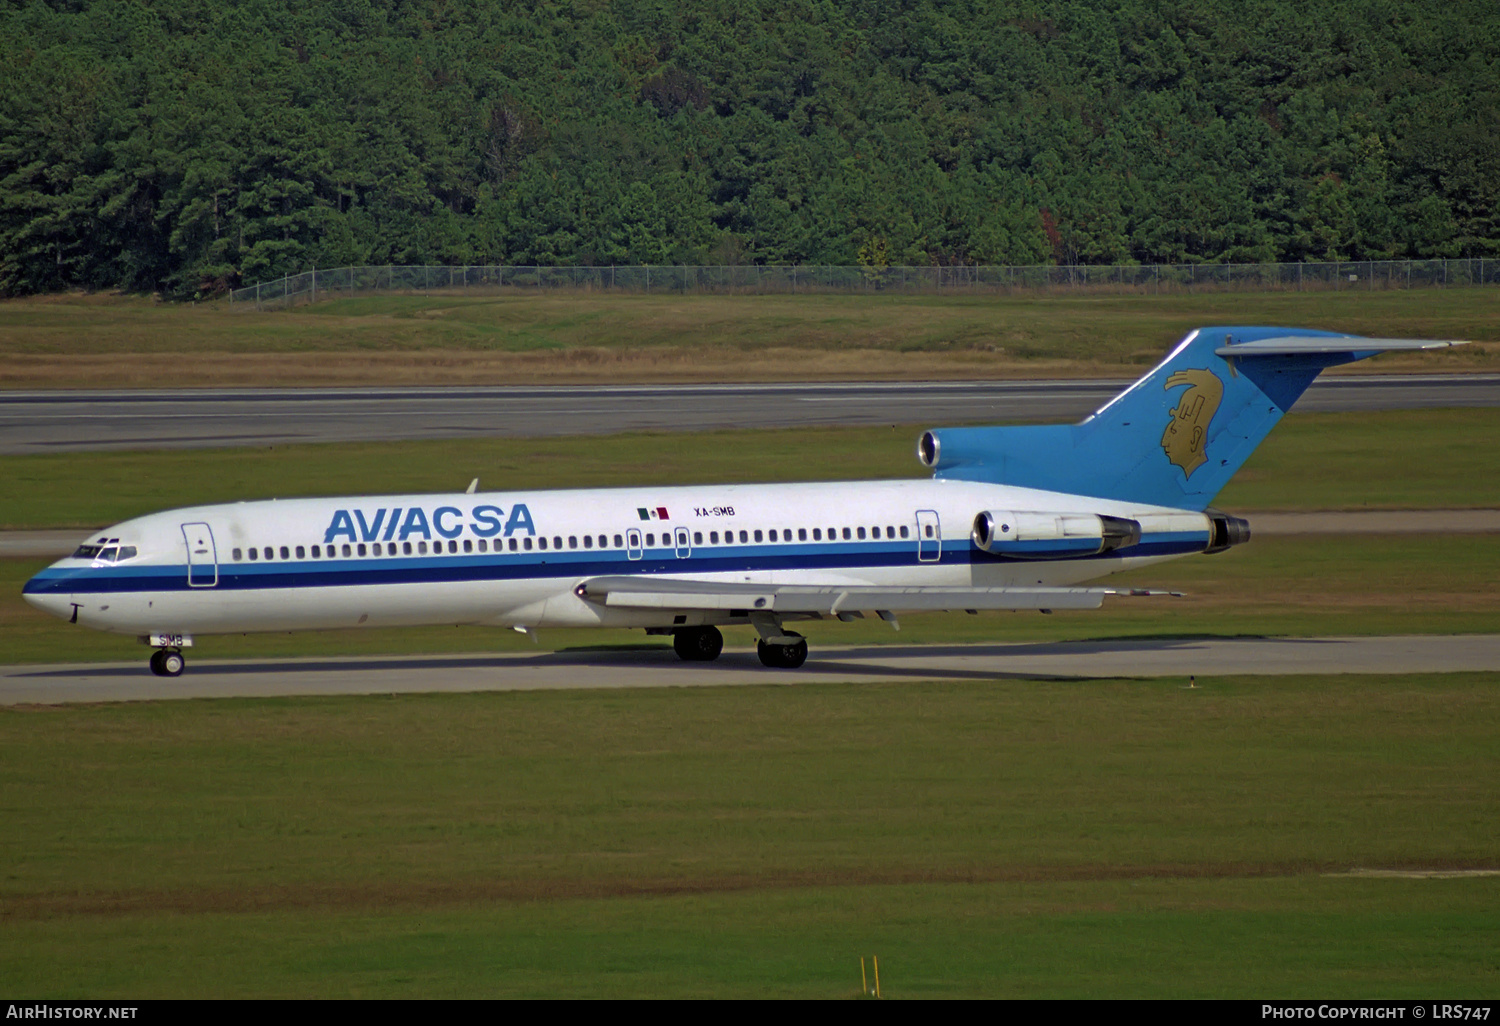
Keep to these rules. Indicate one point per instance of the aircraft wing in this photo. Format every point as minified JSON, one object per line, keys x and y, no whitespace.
{"x":832,"y":600}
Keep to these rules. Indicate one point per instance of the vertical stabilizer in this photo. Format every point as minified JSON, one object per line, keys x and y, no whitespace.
{"x":1176,"y":436}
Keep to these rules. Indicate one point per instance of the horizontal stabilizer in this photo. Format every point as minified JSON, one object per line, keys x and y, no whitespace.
{"x":830,"y":600}
{"x":1304,"y":345}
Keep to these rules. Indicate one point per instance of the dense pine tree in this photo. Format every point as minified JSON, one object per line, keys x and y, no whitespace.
{"x":183,"y":145}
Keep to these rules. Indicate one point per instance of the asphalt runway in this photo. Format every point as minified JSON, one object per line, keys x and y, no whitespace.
{"x":652,"y":666}
{"x":35,"y":422}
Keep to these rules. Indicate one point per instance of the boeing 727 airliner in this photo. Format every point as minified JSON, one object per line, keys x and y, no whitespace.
{"x":1012,"y":518}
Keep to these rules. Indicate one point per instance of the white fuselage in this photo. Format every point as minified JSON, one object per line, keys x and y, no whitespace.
{"x":514,"y":559}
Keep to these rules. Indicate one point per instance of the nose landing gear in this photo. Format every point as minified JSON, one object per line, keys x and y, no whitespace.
{"x":167,"y":662}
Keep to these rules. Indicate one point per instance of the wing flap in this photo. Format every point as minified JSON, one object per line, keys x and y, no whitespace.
{"x":830,"y":600}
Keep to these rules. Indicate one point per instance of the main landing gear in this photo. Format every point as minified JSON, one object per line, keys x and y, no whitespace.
{"x":697,"y":644}
{"x":167,"y":662}
{"x":703,"y":645}
{"x":782,"y":657}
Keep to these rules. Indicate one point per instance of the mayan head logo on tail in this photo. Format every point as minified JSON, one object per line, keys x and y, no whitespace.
{"x":1187,"y":431}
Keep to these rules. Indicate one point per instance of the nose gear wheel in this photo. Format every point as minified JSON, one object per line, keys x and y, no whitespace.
{"x":167,"y":662}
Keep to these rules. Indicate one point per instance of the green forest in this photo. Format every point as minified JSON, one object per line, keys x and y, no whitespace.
{"x":185,"y":146}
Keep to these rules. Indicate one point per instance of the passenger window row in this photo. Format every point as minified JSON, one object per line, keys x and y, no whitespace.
{"x":347,"y":550}
{"x":420,"y":548}
{"x":270,"y":553}
{"x":803,"y":534}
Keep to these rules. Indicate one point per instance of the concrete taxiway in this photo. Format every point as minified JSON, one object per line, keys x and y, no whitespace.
{"x":657,"y":666}
{"x":35,"y":422}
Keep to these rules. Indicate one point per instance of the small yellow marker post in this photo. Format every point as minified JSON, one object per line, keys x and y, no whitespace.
{"x":876,"y":960}
{"x":864,"y":983}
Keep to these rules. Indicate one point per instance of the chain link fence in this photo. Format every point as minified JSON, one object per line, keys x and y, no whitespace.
{"x":312,"y":286}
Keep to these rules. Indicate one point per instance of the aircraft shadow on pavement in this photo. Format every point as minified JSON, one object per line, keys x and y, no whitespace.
{"x":870,"y":661}
{"x":311,"y":665}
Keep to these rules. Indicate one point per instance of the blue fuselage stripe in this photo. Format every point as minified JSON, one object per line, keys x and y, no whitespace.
{"x":532,"y":566}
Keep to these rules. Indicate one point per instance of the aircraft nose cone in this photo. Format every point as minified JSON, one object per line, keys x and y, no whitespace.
{"x":57,"y":605}
{"x":48,"y":595}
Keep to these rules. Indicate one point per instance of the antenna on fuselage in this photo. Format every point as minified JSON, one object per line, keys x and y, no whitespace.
{"x":473,"y":487}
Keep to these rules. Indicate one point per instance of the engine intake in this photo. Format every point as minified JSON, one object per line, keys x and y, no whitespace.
{"x":929,"y":449}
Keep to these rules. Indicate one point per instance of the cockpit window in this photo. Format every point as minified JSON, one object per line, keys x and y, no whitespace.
{"x":105,"y":553}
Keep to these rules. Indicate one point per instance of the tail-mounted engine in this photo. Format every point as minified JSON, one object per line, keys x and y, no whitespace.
{"x":1071,"y":535}
{"x":1052,"y":535}
{"x":1225,"y":531}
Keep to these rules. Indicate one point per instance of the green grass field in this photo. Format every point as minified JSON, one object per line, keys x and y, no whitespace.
{"x":1005,"y":838}
{"x":110,"y":341}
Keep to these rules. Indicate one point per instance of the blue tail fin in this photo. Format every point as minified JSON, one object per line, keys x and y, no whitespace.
{"x":1176,"y":436}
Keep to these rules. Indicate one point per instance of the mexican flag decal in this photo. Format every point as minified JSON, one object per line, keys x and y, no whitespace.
{"x":659,"y":513}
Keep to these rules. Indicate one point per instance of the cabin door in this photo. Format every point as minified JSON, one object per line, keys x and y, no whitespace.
{"x":929,"y":536}
{"x":203,"y":556}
